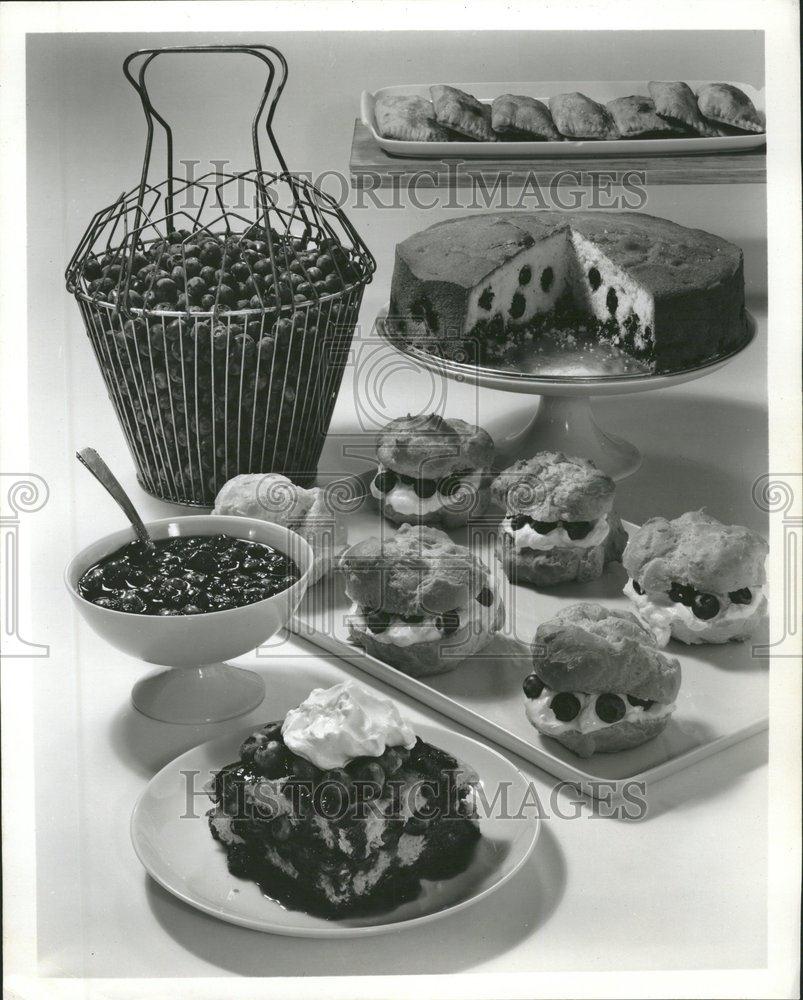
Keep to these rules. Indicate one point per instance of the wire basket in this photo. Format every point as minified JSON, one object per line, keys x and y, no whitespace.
{"x":221,"y":310}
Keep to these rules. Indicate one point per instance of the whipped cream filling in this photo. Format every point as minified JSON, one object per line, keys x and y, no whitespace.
{"x":587,"y":721}
{"x":660,"y":614}
{"x":334,"y":725}
{"x":527,"y":537}
{"x":402,"y":633}
{"x":405,"y":500}
{"x":475,"y":617}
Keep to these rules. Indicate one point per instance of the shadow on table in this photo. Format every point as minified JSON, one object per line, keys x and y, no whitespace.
{"x":460,"y":942}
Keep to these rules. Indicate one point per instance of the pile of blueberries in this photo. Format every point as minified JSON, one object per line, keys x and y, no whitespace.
{"x":187,"y":575}
{"x":212,"y":391}
{"x":204,"y":272}
{"x":574,"y":529}
{"x":566,"y":706}
{"x":332,"y":792}
{"x":703,"y":606}
{"x":447,"y":622}
{"x":447,"y":486}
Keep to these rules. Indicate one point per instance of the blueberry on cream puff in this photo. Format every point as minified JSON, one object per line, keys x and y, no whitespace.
{"x":421,"y":602}
{"x":599,"y":682}
{"x":432,"y":470}
{"x":559,"y":524}
{"x":696,"y":579}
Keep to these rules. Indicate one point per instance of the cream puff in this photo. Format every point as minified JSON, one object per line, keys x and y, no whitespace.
{"x":432,"y":470}
{"x":696,"y":579}
{"x":600,"y":682}
{"x":559,"y":524}
{"x":272,"y":497}
{"x":420,"y":602}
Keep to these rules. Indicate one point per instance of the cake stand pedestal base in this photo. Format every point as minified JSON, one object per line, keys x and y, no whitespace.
{"x":567,"y":424}
{"x":212,"y":692}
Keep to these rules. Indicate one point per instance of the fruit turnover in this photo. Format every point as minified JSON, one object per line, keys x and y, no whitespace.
{"x":599,"y":682}
{"x":187,"y":575}
{"x":432,"y":470}
{"x":559,"y":524}
{"x":421,"y":602}
{"x":340,"y":809}
{"x":697,"y":580}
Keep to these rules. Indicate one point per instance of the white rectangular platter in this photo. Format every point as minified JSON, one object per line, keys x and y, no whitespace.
{"x":723,"y":697}
{"x":601,"y":91}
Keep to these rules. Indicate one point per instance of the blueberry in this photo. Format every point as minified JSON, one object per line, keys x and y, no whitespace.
{"x":385,"y":481}
{"x":525,"y":275}
{"x":682,"y":593}
{"x":131,"y":602}
{"x":743,"y":596}
{"x":705,"y":607}
{"x":565,"y":706}
{"x":166,"y":289}
{"x":637,"y":588}
{"x":378,"y":621}
{"x":518,"y":306}
{"x":547,"y":277}
{"x":369,"y":773}
{"x":543,"y":527}
{"x":425,"y":488}
{"x":304,"y":770}
{"x":612,"y":301}
{"x":448,"y":622}
{"x":578,"y":529}
{"x":271,"y":759}
{"x":485,"y":597}
{"x":645,"y":703}
{"x":391,"y":761}
{"x":610,"y":707}
{"x":533,"y":686}
{"x":191,"y":609}
{"x":594,"y":279}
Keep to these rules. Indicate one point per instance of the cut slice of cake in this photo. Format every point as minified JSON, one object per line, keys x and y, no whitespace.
{"x":478,"y":287}
{"x":341,"y":809}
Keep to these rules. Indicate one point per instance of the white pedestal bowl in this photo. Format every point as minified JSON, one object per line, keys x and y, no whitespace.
{"x":193,"y":684}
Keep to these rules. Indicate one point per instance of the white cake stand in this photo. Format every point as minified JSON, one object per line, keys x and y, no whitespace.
{"x":564,"y":420}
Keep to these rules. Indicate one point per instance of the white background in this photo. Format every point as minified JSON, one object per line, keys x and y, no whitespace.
{"x":684,"y":890}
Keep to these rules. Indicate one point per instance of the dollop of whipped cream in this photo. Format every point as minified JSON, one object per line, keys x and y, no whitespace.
{"x":334,"y":725}
{"x":526,"y":537}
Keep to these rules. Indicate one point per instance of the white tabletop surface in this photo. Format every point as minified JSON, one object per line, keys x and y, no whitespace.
{"x":685,"y":888}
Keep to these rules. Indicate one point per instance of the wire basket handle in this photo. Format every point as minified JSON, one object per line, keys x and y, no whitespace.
{"x":270,"y":56}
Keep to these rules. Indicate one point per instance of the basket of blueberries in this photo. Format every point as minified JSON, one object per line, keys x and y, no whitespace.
{"x":220,"y":309}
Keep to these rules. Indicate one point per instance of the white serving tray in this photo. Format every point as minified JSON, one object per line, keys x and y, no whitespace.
{"x":723,"y":697}
{"x":601,"y":91}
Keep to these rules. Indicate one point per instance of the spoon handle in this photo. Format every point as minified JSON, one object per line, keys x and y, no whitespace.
{"x":91,"y":460}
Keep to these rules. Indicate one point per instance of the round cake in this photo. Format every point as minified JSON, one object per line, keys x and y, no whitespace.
{"x":669,"y":296}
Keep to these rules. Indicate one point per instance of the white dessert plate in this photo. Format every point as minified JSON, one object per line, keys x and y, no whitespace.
{"x":601,"y":91}
{"x":179,"y":853}
{"x":723,"y":697}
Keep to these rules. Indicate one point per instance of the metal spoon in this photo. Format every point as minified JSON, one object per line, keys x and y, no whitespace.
{"x":91,"y":460}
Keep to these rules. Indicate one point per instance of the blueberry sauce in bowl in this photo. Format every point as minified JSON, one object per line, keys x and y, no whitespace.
{"x":187,"y":575}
